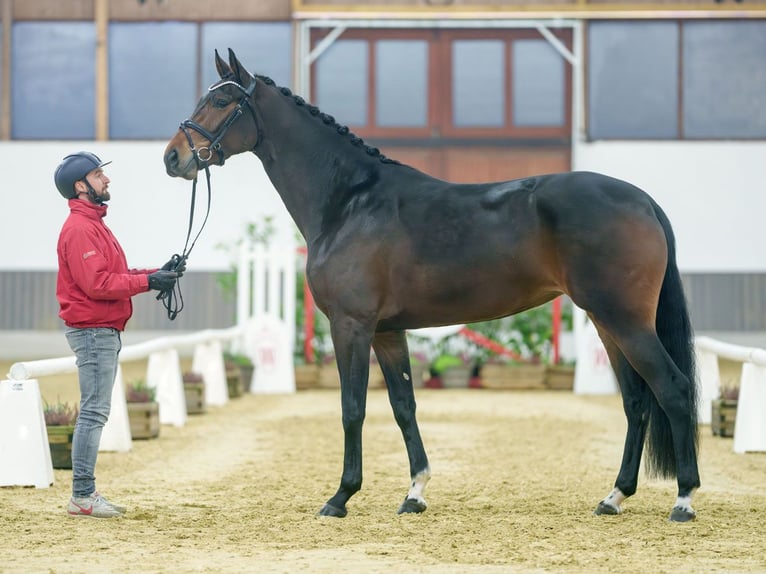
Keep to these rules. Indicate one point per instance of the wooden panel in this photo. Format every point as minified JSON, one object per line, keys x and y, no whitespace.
{"x":481,"y":164}
{"x":154,"y":10}
{"x":53,"y":10}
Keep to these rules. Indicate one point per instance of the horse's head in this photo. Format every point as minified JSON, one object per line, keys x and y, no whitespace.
{"x":223,"y":123}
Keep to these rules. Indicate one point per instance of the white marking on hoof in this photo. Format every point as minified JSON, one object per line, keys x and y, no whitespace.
{"x":614,"y":499}
{"x":684,"y":503}
{"x":418,"y":485}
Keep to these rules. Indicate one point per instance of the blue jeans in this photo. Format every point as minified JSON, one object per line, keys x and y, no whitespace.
{"x":96,"y":350}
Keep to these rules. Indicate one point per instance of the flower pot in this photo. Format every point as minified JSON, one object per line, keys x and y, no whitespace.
{"x":559,"y":377}
{"x":525,"y":376}
{"x":144,"y":420}
{"x":456,"y":377}
{"x":246,"y":377}
{"x":60,"y":443}
{"x":724,"y":415}
{"x":234,"y":383}
{"x":306,"y":377}
{"x":195,"y":397}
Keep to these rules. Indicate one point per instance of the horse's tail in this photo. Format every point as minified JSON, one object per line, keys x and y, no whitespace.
{"x":675,"y":332}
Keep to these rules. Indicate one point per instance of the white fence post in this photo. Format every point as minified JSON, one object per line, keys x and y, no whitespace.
{"x":25,"y":456}
{"x":116,"y":435}
{"x":163,"y":372}
{"x":208,"y":362}
{"x":750,"y":426}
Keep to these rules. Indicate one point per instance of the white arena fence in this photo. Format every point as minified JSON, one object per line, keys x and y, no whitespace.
{"x":25,"y":458}
{"x":265,"y":331}
{"x":750,"y":425}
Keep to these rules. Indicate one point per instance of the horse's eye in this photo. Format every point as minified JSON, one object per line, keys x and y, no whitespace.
{"x":220,"y":102}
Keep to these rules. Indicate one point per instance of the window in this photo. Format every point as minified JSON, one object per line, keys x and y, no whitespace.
{"x":264,"y":48}
{"x":539,"y":90}
{"x":152,"y":82}
{"x":633,"y":80}
{"x":401,"y":83}
{"x":341,"y":83}
{"x":677,"y":80}
{"x":478,"y":91}
{"x":442,"y":84}
{"x":53,"y":88}
{"x":724,"y":79}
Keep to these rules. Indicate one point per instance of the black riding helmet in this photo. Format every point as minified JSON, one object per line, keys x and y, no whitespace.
{"x":73,"y":168}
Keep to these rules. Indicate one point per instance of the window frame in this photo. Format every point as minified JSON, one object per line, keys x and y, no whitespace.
{"x":439,"y":95}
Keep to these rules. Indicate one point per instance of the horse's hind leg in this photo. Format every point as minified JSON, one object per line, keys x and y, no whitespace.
{"x":672,"y":428}
{"x":635,"y":401}
{"x":394,"y":358}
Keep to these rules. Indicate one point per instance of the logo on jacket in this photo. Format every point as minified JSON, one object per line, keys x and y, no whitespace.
{"x":88,"y":254}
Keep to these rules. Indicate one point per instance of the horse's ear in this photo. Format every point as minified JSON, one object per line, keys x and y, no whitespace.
{"x":239,"y":70}
{"x":222,"y":67}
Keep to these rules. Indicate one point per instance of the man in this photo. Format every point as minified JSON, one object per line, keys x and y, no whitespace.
{"x":94,"y":289}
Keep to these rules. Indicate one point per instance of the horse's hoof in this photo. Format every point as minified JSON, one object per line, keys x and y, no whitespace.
{"x":412,"y":505}
{"x":679,"y":514}
{"x":330,"y":510}
{"x":606,"y":509}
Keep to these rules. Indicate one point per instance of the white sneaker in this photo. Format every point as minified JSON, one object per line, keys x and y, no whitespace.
{"x":117,"y":507}
{"x":94,"y":506}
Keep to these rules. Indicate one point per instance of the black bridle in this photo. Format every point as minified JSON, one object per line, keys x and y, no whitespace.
{"x":203,"y":155}
{"x":172,"y":299}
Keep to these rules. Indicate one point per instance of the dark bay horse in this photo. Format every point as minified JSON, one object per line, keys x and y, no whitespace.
{"x":391,"y":248}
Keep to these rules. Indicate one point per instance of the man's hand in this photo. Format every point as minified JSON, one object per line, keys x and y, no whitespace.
{"x":163,"y":280}
{"x":176,"y":263}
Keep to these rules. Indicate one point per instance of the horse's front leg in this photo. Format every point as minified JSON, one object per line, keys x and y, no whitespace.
{"x":351,"y":340}
{"x":394,"y":358}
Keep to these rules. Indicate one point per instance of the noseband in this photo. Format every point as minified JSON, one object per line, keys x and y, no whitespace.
{"x":203,"y":155}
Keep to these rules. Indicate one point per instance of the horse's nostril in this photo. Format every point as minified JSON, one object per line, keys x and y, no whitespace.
{"x":171,"y":159}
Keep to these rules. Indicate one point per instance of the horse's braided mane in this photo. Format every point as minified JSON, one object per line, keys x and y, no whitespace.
{"x":328,"y":120}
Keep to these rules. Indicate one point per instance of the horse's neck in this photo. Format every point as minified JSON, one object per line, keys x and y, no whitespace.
{"x":310,"y":165}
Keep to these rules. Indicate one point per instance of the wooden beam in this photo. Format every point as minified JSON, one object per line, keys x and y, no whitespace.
{"x":5,"y":98}
{"x":101,"y":17}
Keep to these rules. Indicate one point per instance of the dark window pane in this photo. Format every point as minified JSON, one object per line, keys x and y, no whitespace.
{"x":341,"y":81}
{"x":724,"y":79}
{"x":152,"y":78}
{"x":478,"y":83}
{"x":53,"y":89}
{"x":401,"y":83}
{"x":538,"y":84}
{"x":633,"y":80}
{"x":264,"y":48}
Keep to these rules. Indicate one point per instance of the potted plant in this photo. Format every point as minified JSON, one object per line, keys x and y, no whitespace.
{"x":724,"y":410}
{"x":239,"y":373}
{"x":60,"y":419}
{"x":194,"y":391}
{"x":143,"y":410}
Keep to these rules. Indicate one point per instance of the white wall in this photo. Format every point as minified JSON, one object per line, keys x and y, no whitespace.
{"x":148,"y":212}
{"x":713,"y":192}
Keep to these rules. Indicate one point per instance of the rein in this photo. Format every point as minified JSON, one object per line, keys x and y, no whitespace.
{"x":172,"y":299}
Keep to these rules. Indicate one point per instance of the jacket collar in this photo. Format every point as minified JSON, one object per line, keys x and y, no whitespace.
{"x":87,"y":208}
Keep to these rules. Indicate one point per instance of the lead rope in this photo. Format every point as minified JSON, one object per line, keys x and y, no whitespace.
{"x":172,"y":299}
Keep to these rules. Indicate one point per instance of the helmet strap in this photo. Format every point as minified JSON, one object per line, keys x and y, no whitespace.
{"x":92,"y":192}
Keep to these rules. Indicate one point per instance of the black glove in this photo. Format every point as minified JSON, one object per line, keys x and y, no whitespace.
{"x":176,"y":263}
{"x":163,"y":280}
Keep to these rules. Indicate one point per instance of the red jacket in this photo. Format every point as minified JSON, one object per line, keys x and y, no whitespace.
{"x":94,"y":284}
